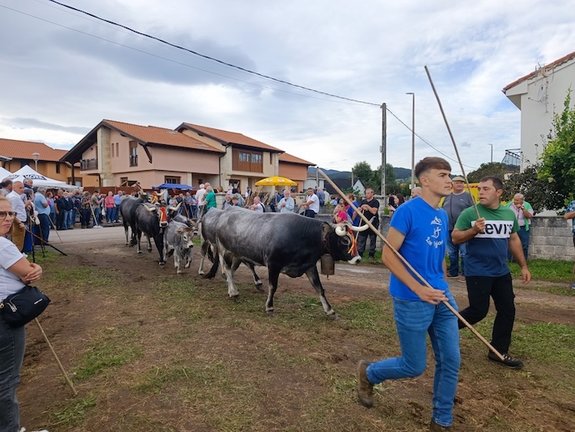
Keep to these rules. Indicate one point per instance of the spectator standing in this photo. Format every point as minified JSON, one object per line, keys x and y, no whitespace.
{"x":524,"y":213}
{"x":117,"y":202}
{"x":85,"y":210}
{"x":209,"y":198}
{"x":21,"y":220}
{"x":418,"y":231}
{"x":570,"y":215}
{"x":43,"y":209}
{"x":457,"y":201}
{"x":489,"y":239}
{"x":287,"y":203}
{"x":110,"y":207}
{"x":5,"y":187}
{"x":200,"y":199}
{"x":50,"y":198}
{"x":415,"y":192}
{"x":257,"y":205}
{"x":95,"y":205}
{"x":15,"y":272}
{"x":339,"y":214}
{"x":369,"y":206}
{"x":311,"y":205}
{"x":354,"y":217}
{"x":227,"y":201}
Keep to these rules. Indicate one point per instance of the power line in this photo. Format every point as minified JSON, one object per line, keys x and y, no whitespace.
{"x":210,"y":58}
{"x":207,"y":57}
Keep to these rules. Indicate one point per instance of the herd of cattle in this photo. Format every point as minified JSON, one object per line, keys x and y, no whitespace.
{"x":284,"y":243}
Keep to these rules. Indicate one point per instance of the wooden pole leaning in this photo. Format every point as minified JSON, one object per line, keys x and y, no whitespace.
{"x":452,"y":139}
{"x":56,"y":357}
{"x":410,"y":267}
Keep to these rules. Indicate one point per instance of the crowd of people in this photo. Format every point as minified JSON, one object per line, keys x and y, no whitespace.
{"x":439,"y":220}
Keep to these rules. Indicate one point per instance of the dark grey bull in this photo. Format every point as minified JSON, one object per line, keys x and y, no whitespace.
{"x":178,"y":240}
{"x":208,"y":229}
{"x":128,"y":212}
{"x":151,"y":220}
{"x":284,"y":243}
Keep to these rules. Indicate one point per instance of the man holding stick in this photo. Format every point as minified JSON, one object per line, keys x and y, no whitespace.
{"x":489,"y":239}
{"x":418,"y":230}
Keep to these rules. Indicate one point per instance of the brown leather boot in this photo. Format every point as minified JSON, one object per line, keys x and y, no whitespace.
{"x":364,"y":387}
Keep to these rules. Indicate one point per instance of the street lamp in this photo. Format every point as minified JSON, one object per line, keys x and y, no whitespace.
{"x":412,"y":185}
{"x":491,"y":152}
{"x":36,"y":156}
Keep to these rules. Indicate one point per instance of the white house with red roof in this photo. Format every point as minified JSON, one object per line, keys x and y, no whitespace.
{"x":540,"y":95}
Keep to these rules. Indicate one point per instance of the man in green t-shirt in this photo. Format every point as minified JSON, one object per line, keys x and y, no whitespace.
{"x":489,"y":239}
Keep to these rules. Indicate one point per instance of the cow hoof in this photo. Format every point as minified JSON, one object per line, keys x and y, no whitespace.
{"x":260,"y":288}
{"x":139,"y":252}
{"x":179,"y":272}
{"x":270,"y":311}
{"x":235,"y":297}
{"x":162,"y":263}
{"x":333,"y":316}
{"x":201,"y":272}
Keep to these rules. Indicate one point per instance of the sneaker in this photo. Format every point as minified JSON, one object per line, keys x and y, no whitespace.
{"x":364,"y":387}
{"x":508,"y":361}
{"x":434,"y":427}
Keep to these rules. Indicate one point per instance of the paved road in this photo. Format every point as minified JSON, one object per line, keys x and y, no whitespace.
{"x":113,"y":234}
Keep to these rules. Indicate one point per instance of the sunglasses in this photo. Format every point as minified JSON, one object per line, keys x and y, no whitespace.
{"x":5,"y":214}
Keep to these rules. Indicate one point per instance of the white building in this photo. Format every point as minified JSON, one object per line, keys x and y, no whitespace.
{"x":540,"y":95}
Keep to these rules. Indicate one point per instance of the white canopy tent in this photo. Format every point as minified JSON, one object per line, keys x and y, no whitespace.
{"x":4,"y":173}
{"x":26,"y":172}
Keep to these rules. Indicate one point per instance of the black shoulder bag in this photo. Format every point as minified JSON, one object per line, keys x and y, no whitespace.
{"x":23,"y":306}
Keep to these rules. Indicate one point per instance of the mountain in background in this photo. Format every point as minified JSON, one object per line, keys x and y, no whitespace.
{"x":398,"y":172}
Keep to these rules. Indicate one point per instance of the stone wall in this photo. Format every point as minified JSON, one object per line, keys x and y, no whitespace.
{"x":550,"y":237}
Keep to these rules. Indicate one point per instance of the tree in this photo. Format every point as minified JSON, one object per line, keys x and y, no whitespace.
{"x":537,"y":190}
{"x":389,"y":179}
{"x":495,"y":169}
{"x":558,"y":159}
{"x":362,"y":171}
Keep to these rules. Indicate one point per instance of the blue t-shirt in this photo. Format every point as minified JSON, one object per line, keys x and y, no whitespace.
{"x":425,"y":231}
{"x":570,"y":208}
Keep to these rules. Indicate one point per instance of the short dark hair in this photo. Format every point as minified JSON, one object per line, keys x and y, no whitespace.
{"x":497,"y":183}
{"x":431,"y":162}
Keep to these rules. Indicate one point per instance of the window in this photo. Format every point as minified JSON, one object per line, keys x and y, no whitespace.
{"x":247,"y":160}
{"x":172,"y":180}
{"x":117,"y":149}
{"x":123,"y":181}
{"x":133,"y":153}
{"x":57,"y":168}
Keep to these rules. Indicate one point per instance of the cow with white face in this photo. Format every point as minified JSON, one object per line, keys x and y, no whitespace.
{"x":178,"y":240}
{"x":283,"y":242}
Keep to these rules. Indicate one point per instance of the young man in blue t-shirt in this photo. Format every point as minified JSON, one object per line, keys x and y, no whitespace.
{"x":418,"y":230}
{"x":489,"y":239}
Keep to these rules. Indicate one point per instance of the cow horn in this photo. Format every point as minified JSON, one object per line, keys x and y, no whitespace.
{"x":340,"y":230}
{"x":359,"y":228}
{"x":176,"y":207}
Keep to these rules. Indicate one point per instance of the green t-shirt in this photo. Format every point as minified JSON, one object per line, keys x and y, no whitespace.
{"x":487,"y":253}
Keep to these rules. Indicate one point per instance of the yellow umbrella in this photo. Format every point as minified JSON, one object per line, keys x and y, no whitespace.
{"x":276,"y":181}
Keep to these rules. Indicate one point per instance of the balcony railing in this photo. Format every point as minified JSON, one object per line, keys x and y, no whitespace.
{"x":89,"y":164}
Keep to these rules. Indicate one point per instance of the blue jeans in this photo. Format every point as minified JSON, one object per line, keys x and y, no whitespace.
{"x":454,"y":251}
{"x":12,"y":343}
{"x":414,"y":320}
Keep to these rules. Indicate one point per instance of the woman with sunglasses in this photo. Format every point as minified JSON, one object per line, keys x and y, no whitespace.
{"x":15,"y":272}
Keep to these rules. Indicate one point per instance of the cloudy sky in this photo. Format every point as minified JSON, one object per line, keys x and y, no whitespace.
{"x":62,"y":72}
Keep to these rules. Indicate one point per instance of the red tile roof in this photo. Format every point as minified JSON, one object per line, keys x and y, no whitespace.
{"x":546,"y":68}
{"x":23,"y":150}
{"x":158,"y":135}
{"x":227,"y":137}
{"x":286,"y":157}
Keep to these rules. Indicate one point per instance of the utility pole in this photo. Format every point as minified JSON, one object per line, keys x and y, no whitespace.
{"x":491,"y":152}
{"x":383,"y":150}
{"x":412,"y":185}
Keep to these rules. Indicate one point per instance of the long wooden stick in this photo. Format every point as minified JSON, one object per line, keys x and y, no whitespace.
{"x":410,"y":267}
{"x":452,"y":139}
{"x":56,"y":357}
